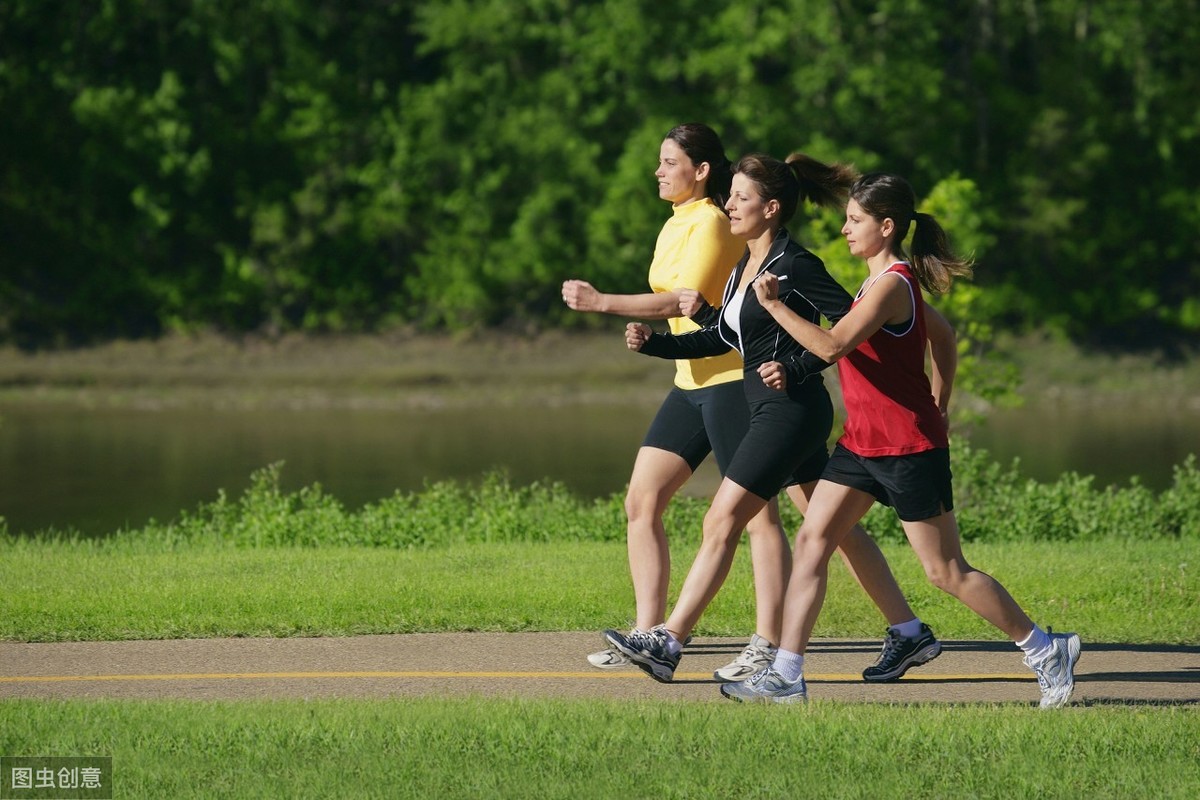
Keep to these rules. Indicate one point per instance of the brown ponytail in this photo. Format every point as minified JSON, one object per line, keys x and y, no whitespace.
{"x":799,"y":178}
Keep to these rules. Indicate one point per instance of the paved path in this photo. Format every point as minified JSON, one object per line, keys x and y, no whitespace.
{"x":553,"y":665}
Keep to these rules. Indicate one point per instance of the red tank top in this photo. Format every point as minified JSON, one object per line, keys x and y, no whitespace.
{"x":890,"y":409}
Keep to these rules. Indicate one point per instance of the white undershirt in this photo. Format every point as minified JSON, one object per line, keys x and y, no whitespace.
{"x":733,"y":312}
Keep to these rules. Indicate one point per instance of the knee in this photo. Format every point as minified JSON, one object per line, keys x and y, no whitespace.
{"x":645,"y":504}
{"x":944,"y":575}
{"x":720,"y":529}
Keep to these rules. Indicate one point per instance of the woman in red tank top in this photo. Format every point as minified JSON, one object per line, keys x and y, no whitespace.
{"x":895,"y":447}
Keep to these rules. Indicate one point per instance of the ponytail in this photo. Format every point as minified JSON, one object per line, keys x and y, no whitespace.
{"x":821,"y":184}
{"x":934,"y":263}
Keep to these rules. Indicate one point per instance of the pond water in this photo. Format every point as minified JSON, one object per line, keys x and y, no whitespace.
{"x":99,"y":470}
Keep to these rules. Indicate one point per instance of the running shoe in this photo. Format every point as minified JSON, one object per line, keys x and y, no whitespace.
{"x":1056,"y":672}
{"x":899,"y":654}
{"x":757,"y":656}
{"x":608,"y":659}
{"x":767,"y":686}
{"x":647,"y":650}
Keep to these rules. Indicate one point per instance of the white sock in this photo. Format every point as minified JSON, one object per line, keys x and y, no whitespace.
{"x":908,"y":630}
{"x":788,"y":664}
{"x":1036,"y":645}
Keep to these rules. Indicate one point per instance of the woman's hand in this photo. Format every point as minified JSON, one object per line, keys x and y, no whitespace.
{"x":580,"y":296}
{"x":773,"y":375}
{"x":690,"y":301}
{"x":636,"y":335}
{"x":766,"y":286}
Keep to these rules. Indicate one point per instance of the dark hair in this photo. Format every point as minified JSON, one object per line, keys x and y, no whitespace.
{"x":799,"y":178}
{"x":886,"y":196}
{"x":702,"y":144}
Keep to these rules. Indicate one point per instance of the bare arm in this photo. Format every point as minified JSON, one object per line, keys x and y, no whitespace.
{"x":943,"y":357}
{"x":888,"y":302}
{"x":582,"y":296}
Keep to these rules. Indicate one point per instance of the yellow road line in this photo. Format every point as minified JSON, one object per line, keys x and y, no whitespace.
{"x":624,"y":675}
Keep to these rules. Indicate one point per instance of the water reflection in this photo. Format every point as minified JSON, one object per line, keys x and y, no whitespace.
{"x":100,"y":470}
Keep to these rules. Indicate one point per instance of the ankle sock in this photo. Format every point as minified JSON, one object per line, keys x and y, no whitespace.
{"x":908,"y":630}
{"x":1036,"y":645}
{"x":788,"y":664}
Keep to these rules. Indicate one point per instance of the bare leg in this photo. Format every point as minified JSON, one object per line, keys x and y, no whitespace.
{"x":732,"y":508}
{"x":771,"y":555}
{"x":866,"y":563}
{"x":657,"y":476}
{"x":834,"y":510}
{"x":937,"y":544}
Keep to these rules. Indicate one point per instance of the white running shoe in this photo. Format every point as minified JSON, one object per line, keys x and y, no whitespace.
{"x":757,"y":656}
{"x":767,"y":686}
{"x":1056,"y":672}
{"x":608,"y":659}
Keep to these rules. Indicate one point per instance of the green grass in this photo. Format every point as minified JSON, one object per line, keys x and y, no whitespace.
{"x":59,"y":591}
{"x":468,"y":748}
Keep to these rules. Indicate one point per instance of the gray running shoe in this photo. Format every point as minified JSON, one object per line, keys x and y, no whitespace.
{"x":757,"y":656}
{"x":647,"y":650}
{"x":1056,"y":672}
{"x":767,"y":686}
{"x":899,"y":654}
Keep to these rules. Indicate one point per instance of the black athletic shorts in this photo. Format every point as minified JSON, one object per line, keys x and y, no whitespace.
{"x":691,"y":423}
{"x":916,"y":485}
{"x":785,"y":445}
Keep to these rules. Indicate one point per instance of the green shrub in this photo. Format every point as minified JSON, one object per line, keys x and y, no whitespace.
{"x":993,"y":502}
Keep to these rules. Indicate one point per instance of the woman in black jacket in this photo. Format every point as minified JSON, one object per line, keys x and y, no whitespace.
{"x":789,"y":427}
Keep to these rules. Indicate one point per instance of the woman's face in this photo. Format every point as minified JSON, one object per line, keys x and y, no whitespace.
{"x":749,"y":214}
{"x":679,"y":180}
{"x":864,"y":234}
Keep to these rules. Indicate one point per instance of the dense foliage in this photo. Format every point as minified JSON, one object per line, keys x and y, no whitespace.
{"x":317,"y":165}
{"x":993,"y":503}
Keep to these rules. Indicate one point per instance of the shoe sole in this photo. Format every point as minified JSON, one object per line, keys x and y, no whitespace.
{"x":1074,"y":650}
{"x":919,"y":658}
{"x":790,"y":700}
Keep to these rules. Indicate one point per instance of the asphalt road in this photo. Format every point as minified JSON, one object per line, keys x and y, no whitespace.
{"x":517,"y":665}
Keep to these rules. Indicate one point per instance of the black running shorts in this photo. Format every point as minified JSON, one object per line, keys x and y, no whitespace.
{"x":918,"y":485}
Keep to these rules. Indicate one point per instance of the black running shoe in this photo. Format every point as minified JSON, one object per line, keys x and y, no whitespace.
{"x":647,"y":650}
{"x":899,"y":654}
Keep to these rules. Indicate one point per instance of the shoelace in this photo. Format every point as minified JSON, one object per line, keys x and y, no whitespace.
{"x":753,"y":654}
{"x":644,"y":640}
{"x":890,"y":645}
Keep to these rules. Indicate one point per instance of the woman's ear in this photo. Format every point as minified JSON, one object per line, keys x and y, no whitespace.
{"x":702,"y":171}
{"x":887,"y":227}
{"x":770,"y":208}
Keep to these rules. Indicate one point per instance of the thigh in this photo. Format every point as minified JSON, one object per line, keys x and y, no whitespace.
{"x":935,"y":540}
{"x":659,"y":473}
{"x":833,"y":509}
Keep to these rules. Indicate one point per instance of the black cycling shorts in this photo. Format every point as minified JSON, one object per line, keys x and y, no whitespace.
{"x":785,"y":445}
{"x":694,"y":422}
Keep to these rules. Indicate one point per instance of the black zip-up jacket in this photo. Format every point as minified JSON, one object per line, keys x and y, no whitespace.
{"x":805,"y":286}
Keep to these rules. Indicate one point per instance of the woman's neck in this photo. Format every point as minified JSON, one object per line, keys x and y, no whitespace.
{"x":760,"y":244}
{"x":878,"y":263}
